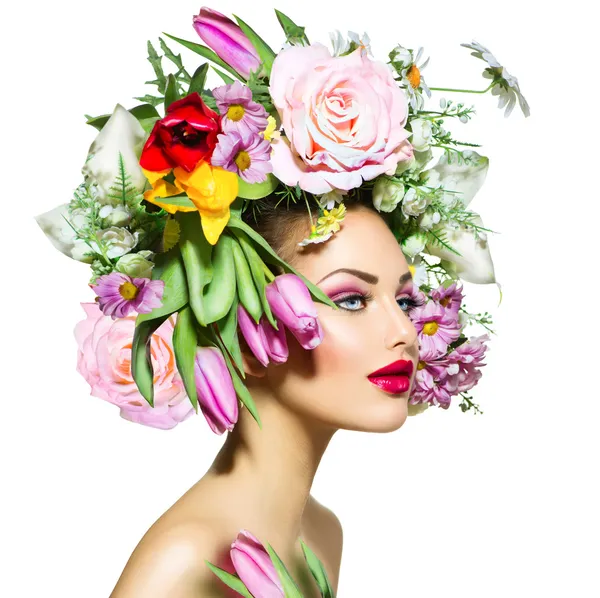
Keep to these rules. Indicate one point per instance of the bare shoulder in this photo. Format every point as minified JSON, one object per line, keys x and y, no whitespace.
{"x":169,"y":562}
{"x":324,"y":534}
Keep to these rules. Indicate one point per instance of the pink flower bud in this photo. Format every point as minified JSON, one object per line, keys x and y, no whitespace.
{"x":227,"y":40}
{"x":254,"y":567}
{"x":216,"y":394}
{"x":292,"y":304}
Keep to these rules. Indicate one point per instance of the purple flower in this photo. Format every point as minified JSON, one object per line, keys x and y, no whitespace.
{"x":292,"y":304}
{"x":239,"y":112}
{"x":248,"y":156}
{"x":263,"y":340}
{"x":449,"y":298}
{"x":119,"y":294}
{"x":437,"y":328}
{"x":227,"y":40}
{"x":216,"y":394}
{"x":468,"y":358}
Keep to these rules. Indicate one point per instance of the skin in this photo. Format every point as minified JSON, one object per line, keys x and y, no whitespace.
{"x":261,"y":479}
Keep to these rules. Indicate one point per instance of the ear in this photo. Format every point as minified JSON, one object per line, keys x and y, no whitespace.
{"x":252,"y":366}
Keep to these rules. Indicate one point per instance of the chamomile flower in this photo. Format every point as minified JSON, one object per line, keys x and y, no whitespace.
{"x":331,"y":219}
{"x":411,"y":79}
{"x":315,"y":237}
{"x":506,"y":87}
{"x":342,"y":46}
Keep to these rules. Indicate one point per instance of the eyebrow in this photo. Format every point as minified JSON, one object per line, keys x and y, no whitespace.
{"x":366,"y":276}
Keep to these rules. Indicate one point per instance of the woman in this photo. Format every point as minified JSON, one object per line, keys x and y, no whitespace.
{"x":261,"y":479}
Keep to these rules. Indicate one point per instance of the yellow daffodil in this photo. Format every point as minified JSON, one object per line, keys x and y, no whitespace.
{"x":210,"y":189}
{"x":330,"y":221}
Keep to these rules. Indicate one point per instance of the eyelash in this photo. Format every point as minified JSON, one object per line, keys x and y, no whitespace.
{"x":412,"y":303}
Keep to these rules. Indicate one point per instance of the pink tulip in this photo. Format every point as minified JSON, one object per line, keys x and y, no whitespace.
{"x":254,"y":567}
{"x":227,"y":40}
{"x":263,"y":340}
{"x":216,"y":394}
{"x":291,"y":302}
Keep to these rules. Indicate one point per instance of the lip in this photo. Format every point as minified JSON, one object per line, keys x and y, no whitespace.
{"x":402,"y":367}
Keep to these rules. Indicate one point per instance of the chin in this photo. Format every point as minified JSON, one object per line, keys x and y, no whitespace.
{"x":386,"y":416}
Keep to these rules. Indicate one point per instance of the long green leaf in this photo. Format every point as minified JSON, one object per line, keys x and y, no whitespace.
{"x":235,"y":583}
{"x":169,"y":268}
{"x":199,"y":79}
{"x":177,"y":200}
{"x":270,"y":255}
{"x":206,"y":53}
{"x":258,"y":274}
{"x":185,"y":341}
{"x":257,"y":190}
{"x":172,"y":91}
{"x":246,"y":289}
{"x":226,"y":78}
{"x":240,"y":388}
{"x":196,"y":252}
{"x":290,"y":588}
{"x":318,"y":571}
{"x":265,"y":52}
{"x":291,"y":30}
{"x":141,"y":363}
{"x":228,"y":328}
{"x":219,"y":294}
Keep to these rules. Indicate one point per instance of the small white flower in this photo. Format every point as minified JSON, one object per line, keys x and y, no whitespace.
{"x":118,"y":241}
{"x":411,"y":78}
{"x":315,"y":238}
{"x":507,"y":86}
{"x":364,"y":42}
{"x":136,"y":265}
{"x":418,"y":270}
{"x":422,"y":133}
{"x":115,"y":216}
{"x":328,"y":200}
{"x":414,"y":203}
{"x":413,"y":245}
{"x":429,"y":219}
{"x":339,"y":43}
{"x":387,"y":194}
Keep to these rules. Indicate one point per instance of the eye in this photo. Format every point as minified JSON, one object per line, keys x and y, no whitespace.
{"x":410,"y":303}
{"x":353,"y":300}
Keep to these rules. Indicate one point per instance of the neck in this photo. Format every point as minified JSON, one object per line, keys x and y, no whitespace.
{"x":272,"y":468}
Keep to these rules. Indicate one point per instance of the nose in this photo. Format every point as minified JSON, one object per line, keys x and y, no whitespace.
{"x":399,"y":328}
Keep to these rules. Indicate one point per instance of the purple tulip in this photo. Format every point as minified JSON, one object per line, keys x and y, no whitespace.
{"x":292,"y":304}
{"x":216,"y":394}
{"x":263,"y":340}
{"x":254,"y":567}
{"x":227,"y":40}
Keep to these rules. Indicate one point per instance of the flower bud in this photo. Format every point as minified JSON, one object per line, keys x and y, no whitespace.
{"x":387,"y":193}
{"x":136,"y":265}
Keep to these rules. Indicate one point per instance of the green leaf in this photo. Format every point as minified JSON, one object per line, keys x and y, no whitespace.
{"x":240,"y":388}
{"x":290,"y":588}
{"x":263,"y":50}
{"x":219,"y":294}
{"x":226,"y":78}
{"x":156,"y":62}
{"x":199,"y":79}
{"x":141,"y":364}
{"x":196,"y":252}
{"x":318,"y":571}
{"x":228,"y":329}
{"x":257,"y":268}
{"x":175,"y":59}
{"x":206,"y":53}
{"x":180,"y":201}
{"x":141,"y":112}
{"x":271,"y":256}
{"x":246,"y":289}
{"x":185,"y":341}
{"x":148,"y":123}
{"x":169,"y":268}
{"x":257,"y":190}
{"x":235,"y":583}
{"x":291,"y":30}
{"x":172,"y":91}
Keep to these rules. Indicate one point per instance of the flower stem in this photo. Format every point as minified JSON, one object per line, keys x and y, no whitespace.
{"x":464,"y":90}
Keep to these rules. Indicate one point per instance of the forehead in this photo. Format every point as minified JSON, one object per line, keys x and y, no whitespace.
{"x":364,"y":242}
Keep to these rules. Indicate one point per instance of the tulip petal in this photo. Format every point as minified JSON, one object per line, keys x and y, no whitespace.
{"x":251,"y":334}
{"x":275,"y":341}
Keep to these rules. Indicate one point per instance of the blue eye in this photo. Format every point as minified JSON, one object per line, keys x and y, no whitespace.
{"x":409,"y":302}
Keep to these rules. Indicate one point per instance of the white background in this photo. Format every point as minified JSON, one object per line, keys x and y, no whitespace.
{"x":503,"y":504}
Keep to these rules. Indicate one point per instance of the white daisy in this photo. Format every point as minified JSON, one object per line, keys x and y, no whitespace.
{"x":418,"y":270}
{"x":364,"y":42}
{"x":343,"y":46}
{"x":411,"y":79}
{"x":314,"y":237}
{"x":506,"y":87}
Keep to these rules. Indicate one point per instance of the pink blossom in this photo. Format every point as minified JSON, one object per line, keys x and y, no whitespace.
{"x":343,"y":118}
{"x":449,"y":298}
{"x":104,"y":360}
{"x":239,"y":112}
{"x":468,"y":358}
{"x":437,"y":328}
{"x":248,"y":156}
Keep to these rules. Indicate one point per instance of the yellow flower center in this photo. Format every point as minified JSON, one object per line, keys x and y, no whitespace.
{"x":445,"y":301}
{"x":420,"y":365}
{"x":128,"y":291}
{"x":235,"y":112}
{"x":412,"y":270}
{"x":430,"y":328}
{"x":414,"y":76}
{"x":242,"y":160}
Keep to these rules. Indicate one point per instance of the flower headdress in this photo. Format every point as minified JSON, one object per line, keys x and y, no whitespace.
{"x":177,"y":271}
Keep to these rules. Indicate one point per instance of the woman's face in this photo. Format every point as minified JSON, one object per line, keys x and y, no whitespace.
{"x":371,"y":329}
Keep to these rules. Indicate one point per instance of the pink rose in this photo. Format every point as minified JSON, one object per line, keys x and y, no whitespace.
{"x":104,"y":360}
{"x":343,"y":119}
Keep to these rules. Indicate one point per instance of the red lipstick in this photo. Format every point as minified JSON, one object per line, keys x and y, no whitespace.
{"x":393,"y":378}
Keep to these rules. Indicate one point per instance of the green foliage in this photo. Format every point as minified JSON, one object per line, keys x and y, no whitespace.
{"x":234,"y":582}
{"x":264,"y":51}
{"x":293,"y":33}
{"x":259,"y":87}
